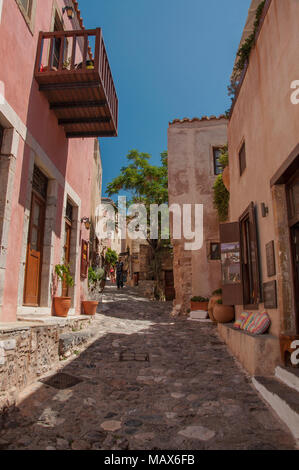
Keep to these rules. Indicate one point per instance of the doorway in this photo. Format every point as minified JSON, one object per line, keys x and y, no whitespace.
{"x":35,"y":242}
{"x":293,"y":216}
{"x":67,"y":243}
{"x":169,"y":286}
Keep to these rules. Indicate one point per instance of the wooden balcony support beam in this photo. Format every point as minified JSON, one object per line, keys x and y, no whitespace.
{"x":84,"y":120}
{"x":82,"y":135}
{"x":79,"y":104}
{"x":68,"y":86}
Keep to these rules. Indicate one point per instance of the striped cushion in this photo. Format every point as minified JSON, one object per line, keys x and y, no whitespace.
{"x":248,"y":322}
{"x":240,"y":322}
{"x":260,"y":324}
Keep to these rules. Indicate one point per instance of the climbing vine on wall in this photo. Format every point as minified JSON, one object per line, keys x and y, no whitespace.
{"x":243,"y":53}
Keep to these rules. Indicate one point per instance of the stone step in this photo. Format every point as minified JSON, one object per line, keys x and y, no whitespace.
{"x":69,"y":341}
{"x":289,"y":376}
{"x":283,"y":400}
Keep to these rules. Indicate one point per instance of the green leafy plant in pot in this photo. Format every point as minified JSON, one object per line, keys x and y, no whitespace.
{"x":63,"y":304}
{"x":199,"y":303}
{"x":95,"y":278}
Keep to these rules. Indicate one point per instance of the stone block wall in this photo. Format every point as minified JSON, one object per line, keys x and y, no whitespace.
{"x":27,"y":353}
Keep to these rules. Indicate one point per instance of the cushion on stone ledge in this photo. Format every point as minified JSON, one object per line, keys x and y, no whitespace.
{"x":240,"y":322}
{"x":260,"y":324}
{"x":249,"y":321}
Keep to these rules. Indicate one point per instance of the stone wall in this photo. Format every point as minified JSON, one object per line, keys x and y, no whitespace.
{"x":28,"y":352}
{"x":191,"y":176}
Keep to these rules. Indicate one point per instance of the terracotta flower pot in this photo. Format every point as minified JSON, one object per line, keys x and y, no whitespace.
{"x":223,"y":313}
{"x":225,"y":178}
{"x":199,"y":306}
{"x":62,"y":306}
{"x":211,"y":306}
{"x":90,"y":307}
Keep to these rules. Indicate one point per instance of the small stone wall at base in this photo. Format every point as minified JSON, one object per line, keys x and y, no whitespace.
{"x":259,"y":355}
{"x":27,"y":353}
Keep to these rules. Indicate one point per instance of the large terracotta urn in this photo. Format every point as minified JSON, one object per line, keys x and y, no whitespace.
{"x":62,"y":306}
{"x":90,"y":307}
{"x":211,"y":306}
{"x":225,"y":178}
{"x":223,"y":313}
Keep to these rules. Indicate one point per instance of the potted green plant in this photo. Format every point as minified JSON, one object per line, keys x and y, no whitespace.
{"x":223,"y":313}
{"x":216,"y":295}
{"x":199,"y":303}
{"x":63,"y":304}
{"x":95,"y":278}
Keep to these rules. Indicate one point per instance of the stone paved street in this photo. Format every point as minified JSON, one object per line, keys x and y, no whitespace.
{"x":190,"y":394}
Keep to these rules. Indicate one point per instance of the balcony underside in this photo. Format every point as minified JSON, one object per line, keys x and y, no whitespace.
{"x":79,"y":102}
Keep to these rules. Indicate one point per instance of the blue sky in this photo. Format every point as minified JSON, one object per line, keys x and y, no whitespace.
{"x":169,"y":59}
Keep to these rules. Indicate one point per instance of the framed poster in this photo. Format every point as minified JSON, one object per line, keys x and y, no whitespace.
{"x":270,"y":256}
{"x":84,"y":259}
{"x":231,"y":263}
{"x":270,"y":294}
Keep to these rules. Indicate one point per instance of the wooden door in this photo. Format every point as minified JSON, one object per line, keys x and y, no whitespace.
{"x":295,"y":252}
{"x":67,"y":257}
{"x":169,"y":286}
{"x":34,"y":252}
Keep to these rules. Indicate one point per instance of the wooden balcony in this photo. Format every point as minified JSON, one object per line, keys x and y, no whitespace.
{"x":72,"y":70}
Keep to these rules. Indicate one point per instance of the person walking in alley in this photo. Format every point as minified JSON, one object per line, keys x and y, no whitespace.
{"x":119,"y":274}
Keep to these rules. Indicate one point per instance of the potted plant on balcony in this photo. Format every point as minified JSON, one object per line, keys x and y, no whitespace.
{"x":63,"y":304}
{"x":223,"y":313}
{"x":199,"y":303}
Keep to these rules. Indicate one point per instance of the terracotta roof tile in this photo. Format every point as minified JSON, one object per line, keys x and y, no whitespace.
{"x":197,"y":119}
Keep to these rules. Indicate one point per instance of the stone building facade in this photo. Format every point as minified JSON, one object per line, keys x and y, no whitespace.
{"x":263,"y":145}
{"x":49,"y":154}
{"x":193,"y":152}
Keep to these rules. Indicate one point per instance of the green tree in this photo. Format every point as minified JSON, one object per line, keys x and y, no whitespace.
{"x":147,"y":184}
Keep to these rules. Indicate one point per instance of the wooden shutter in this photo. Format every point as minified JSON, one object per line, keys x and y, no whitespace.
{"x":84,"y":259}
{"x":232,"y":292}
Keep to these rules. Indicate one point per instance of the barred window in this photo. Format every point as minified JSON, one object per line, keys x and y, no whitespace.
{"x":218,"y":169}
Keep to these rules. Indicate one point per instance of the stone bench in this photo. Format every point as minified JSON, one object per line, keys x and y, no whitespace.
{"x":259,"y":354}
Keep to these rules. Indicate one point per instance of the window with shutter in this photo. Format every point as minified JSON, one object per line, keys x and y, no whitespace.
{"x":250,"y":259}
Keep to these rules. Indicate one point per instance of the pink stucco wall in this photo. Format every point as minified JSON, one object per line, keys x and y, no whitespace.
{"x":72,"y":158}
{"x":268,"y":122}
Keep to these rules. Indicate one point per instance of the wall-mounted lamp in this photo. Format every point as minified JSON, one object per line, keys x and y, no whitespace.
{"x":86,"y":222}
{"x":69,"y":11}
{"x":264,"y":209}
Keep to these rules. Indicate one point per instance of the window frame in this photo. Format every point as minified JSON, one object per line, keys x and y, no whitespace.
{"x":29,"y":18}
{"x":215,"y":149}
{"x":242,"y":167}
{"x":210,"y":244}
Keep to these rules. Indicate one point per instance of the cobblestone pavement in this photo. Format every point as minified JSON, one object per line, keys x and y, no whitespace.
{"x":148,"y":382}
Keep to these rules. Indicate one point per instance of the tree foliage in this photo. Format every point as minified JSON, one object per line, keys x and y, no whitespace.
{"x":147,"y":184}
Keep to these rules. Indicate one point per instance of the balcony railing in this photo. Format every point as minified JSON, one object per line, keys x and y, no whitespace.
{"x":73,"y":70}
